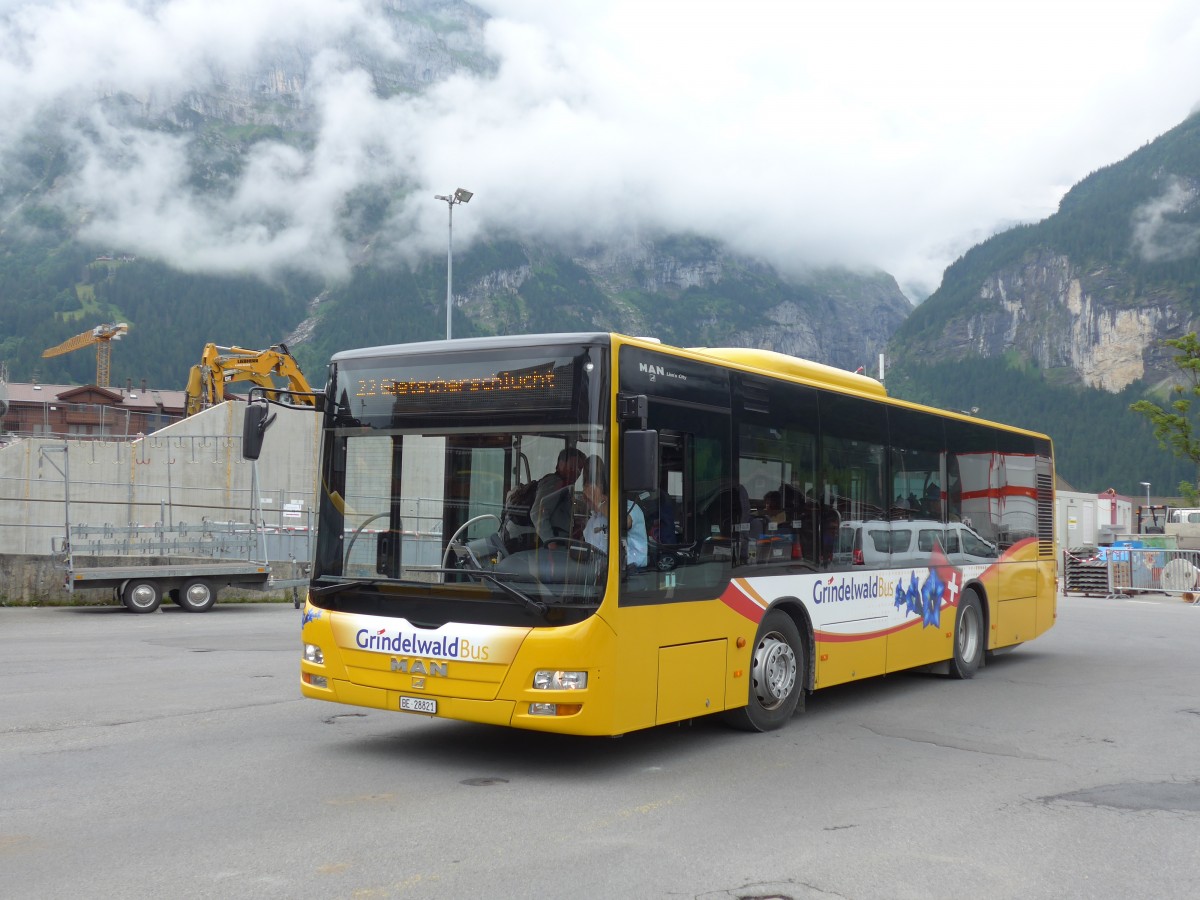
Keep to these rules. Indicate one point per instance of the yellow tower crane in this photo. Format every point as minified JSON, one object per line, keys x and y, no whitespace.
{"x":102,"y":336}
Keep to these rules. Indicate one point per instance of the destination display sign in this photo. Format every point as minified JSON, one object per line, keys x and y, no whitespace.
{"x":386,"y":388}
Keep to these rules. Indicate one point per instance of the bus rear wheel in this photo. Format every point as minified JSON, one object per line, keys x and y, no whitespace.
{"x":968,"y":637}
{"x":776,"y":676}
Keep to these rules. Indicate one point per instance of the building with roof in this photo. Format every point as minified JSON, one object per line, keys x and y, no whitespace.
{"x":86,"y":411}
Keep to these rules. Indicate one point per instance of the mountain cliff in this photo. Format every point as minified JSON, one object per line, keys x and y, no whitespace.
{"x":1088,"y":295}
{"x":684,"y":290}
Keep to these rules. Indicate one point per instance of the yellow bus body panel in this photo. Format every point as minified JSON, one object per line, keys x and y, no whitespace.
{"x":657,"y":662}
{"x":496,"y":691}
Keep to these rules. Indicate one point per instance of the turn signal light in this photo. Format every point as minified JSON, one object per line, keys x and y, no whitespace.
{"x":554,"y":709}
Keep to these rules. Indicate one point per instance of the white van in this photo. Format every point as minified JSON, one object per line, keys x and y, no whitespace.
{"x":881,"y":545}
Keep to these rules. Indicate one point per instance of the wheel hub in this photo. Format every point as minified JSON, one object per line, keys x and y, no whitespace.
{"x":142,"y":596}
{"x":774,"y":670}
{"x":197,"y":594}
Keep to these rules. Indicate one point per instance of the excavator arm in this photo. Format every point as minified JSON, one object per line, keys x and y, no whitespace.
{"x":221,"y":366}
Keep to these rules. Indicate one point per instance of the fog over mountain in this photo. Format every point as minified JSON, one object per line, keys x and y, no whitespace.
{"x":860,"y":134}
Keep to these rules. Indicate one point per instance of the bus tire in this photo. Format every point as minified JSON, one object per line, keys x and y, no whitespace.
{"x":141,"y":595}
{"x":968,"y":636}
{"x":776,"y":676}
{"x":197,"y":596}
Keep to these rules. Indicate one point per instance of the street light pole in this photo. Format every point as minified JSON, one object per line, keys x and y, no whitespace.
{"x":1146,"y":485}
{"x":459,"y":196}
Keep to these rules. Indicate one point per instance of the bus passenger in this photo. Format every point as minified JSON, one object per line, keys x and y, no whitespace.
{"x":595,"y":531}
{"x":553,"y":510}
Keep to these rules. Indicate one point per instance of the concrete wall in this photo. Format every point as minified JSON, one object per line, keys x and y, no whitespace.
{"x":189,"y":472}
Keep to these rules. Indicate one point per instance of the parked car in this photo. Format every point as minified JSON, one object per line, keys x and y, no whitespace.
{"x":896,"y":544}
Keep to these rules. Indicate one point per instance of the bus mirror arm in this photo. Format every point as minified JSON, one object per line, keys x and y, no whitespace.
{"x":255,"y":420}
{"x":633,"y":408}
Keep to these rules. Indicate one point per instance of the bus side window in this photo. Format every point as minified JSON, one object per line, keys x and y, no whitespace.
{"x":688,"y":555}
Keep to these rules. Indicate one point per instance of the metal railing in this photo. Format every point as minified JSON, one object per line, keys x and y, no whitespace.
{"x":1118,"y":571}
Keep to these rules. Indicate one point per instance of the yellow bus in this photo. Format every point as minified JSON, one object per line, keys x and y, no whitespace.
{"x":774,"y":526}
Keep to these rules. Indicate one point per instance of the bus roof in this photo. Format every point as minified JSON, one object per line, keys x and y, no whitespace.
{"x":768,"y":362}
{"x":494,"y":342}
{"x":783,"y":364}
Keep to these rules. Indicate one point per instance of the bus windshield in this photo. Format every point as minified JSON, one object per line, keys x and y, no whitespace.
{"x":451,"y":485}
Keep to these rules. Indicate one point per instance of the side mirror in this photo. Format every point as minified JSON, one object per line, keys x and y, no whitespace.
{"x":639,"y":471}
{"x":255,"y":422}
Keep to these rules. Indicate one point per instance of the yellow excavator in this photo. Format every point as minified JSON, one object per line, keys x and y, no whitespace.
{"x":221,"y":366}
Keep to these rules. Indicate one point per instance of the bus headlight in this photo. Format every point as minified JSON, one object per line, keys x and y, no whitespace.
{"x":313,"y":654}
{"x":559,"y":680}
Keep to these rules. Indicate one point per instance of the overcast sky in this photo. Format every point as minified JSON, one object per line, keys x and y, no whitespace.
{"x":812,"y":132}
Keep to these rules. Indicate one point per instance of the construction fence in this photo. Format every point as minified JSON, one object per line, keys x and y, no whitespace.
{"x":1125,"y":570}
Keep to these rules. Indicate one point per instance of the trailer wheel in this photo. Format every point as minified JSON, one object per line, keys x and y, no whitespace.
{"x":141,"y":596}
{"x":197,"y":596}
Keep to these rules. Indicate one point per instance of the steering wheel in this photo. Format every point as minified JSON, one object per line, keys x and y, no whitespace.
{"x":357,"y":532}
{"x":455,"y":540}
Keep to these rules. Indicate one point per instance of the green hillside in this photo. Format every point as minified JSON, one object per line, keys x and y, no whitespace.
{"x":1098,"y":442}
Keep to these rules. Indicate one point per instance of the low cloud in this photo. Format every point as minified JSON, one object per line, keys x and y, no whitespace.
{"x":1157,"y":235}
{"x":860,"y":134}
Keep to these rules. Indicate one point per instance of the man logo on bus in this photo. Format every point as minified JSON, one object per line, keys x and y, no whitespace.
{"x":421,"y":667}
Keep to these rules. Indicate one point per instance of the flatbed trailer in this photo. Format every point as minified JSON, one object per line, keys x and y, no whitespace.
{"x":192,"y":586}
{"x":187,"y":563}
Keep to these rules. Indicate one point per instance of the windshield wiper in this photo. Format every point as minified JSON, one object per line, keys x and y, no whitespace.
{"x":338,"y":586}
{"x":534,"y":606}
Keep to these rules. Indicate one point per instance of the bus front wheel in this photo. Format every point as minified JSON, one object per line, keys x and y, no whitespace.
{"x":776,"y":676}
{"x":968,"y":637}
